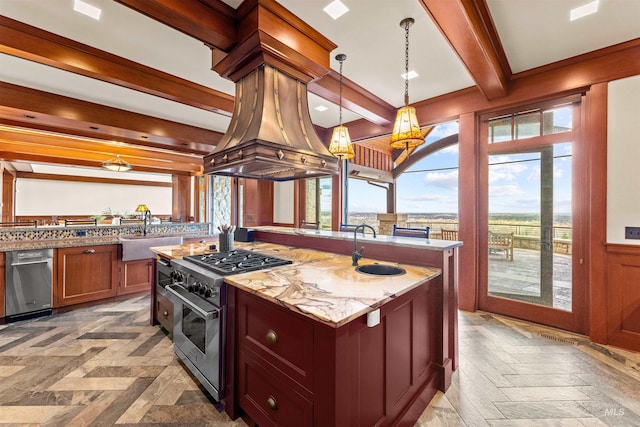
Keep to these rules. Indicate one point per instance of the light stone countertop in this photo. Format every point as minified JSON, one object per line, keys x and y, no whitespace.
{"x":407,"y":242}
{"x":320,"y":285}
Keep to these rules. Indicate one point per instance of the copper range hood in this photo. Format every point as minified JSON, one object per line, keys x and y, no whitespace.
{"x":271,"y":135}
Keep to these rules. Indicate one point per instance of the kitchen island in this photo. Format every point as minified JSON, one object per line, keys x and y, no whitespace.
{"x":318,"y":343}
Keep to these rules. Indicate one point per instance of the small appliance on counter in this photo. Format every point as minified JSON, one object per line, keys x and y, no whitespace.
{"x":244,"y":234}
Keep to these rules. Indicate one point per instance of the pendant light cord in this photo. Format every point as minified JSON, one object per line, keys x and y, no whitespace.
{"x":340,"y":109}
{"x":406,"y":62}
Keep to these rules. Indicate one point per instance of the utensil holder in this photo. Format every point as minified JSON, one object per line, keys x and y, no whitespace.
{"x":226,"y":242}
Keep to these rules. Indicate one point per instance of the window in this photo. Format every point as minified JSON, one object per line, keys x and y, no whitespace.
{"x":530,"y":124}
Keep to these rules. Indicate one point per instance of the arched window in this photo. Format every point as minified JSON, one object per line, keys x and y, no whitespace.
{"x":428,"y":189}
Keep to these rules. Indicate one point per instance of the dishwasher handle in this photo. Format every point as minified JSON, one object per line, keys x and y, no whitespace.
{"x":43,"y":261}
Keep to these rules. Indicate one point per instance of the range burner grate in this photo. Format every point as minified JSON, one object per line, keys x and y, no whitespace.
{"x":236,"y":261}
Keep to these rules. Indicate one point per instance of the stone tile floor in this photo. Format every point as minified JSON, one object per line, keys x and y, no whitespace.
{"x":105,"y":366}
{"x":521,"y":276}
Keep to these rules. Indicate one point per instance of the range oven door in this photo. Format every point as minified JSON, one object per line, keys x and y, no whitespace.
{"x":197,"y":337}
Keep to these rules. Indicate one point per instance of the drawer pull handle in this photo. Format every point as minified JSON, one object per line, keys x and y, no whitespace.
{"x":272,"y":402}
{"x":165,"y":313}
{"x":90,"y":251}
{"x":272,"y":337}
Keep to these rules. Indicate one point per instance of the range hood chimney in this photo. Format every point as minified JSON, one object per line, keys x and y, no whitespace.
{"x":271,"y":135}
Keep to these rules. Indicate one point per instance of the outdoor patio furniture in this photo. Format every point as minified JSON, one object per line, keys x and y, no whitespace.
{"x":501,"y":242}
{"x":449,"y":234}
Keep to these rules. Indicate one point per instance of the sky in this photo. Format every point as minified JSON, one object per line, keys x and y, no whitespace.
{"x":431,"y":185}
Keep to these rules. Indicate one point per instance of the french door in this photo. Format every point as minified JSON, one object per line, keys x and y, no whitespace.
{"x":530,"y":229}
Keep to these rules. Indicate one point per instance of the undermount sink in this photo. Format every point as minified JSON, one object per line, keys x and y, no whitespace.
{"x":137,"y":246}
{"x":380,"y":270}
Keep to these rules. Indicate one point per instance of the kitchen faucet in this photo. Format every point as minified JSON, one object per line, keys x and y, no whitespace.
{"x":145,"y":219}
{"x":355,"y":256}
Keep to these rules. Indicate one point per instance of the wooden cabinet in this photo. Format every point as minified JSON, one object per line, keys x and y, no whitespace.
{"x":135,"y":276}
{"x":289,"y":370}
{"x":623,"y":299}
{"x":275,"y":361}
{"x":163,"y":312}
{"x":84,"y":274}
{"x":2,"y":279}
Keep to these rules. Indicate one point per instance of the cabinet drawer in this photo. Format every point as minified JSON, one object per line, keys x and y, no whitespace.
{"x":268,"y":400}
{"x":281,"y":338}
{"x":164,"y":312}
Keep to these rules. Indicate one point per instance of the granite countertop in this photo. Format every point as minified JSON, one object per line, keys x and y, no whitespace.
{"x":409,"y":242}
{"x":19,"y":245}
{"x":322,"y":286}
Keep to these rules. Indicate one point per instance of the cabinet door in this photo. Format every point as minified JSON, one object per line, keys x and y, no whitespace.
{"x":86,"y":273}
{"x":136,"y":276}
{"x":164,"y":312}
{"x":2,"y":275}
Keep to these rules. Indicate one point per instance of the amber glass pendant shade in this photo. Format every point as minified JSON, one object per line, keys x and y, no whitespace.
{"x":341,"y":143}
{"x":406,"y":131}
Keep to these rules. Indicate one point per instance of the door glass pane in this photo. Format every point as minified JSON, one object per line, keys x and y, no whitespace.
{"x":500,"y":130}
{"x":527,"y":125}
{"x":529,"y":210}
{"x":557,"y":120}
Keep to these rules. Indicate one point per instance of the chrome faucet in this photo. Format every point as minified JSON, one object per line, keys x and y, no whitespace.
{"x":355,"y":256}
{"x":146,"y":220}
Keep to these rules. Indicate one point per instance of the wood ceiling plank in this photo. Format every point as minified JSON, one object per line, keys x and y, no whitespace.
{"x":66,"y":114}
{"x":94,"y":179}
{"x":108,"y":149}
{"x":469,"y":29}
{"x":23,"y":151}
{"x":27,"y":42}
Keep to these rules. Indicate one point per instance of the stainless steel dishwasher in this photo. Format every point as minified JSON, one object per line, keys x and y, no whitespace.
{"x":28,"y":284}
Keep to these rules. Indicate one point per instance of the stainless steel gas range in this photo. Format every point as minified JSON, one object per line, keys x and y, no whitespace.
{"x":196,"y":286}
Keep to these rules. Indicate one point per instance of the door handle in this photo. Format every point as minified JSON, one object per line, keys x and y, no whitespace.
{"x":90,"y":251}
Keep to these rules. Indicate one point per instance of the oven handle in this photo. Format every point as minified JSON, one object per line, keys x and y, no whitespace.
{"x":203,"y":308}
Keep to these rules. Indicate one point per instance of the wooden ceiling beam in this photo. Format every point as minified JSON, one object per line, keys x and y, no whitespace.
{"x":29,"y":107}
{"x":16,"y":136}
{"x":19,"y":150}
{"x":213,"y":23}
{"x":469,"y":29}
{"x":31,"y":43}
{"x":354,"y":98}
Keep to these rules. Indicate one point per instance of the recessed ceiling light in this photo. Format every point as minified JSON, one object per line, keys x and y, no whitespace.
{"x":584,"y":10}
{"x":321,"y":108}
{"x":87,"y":9}
{"x":412,"y":74}
{"x":336,"y":9}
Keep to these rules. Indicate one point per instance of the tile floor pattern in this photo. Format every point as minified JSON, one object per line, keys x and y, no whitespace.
{"x":105,"y":366}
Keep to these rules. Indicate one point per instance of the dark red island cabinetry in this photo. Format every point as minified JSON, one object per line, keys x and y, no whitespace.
{"x":286,"y":369}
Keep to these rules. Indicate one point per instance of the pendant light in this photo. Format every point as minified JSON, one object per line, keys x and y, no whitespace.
{"x":116,"y":165}
{"x":340,"y":142}
{"x":406,"y":130}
